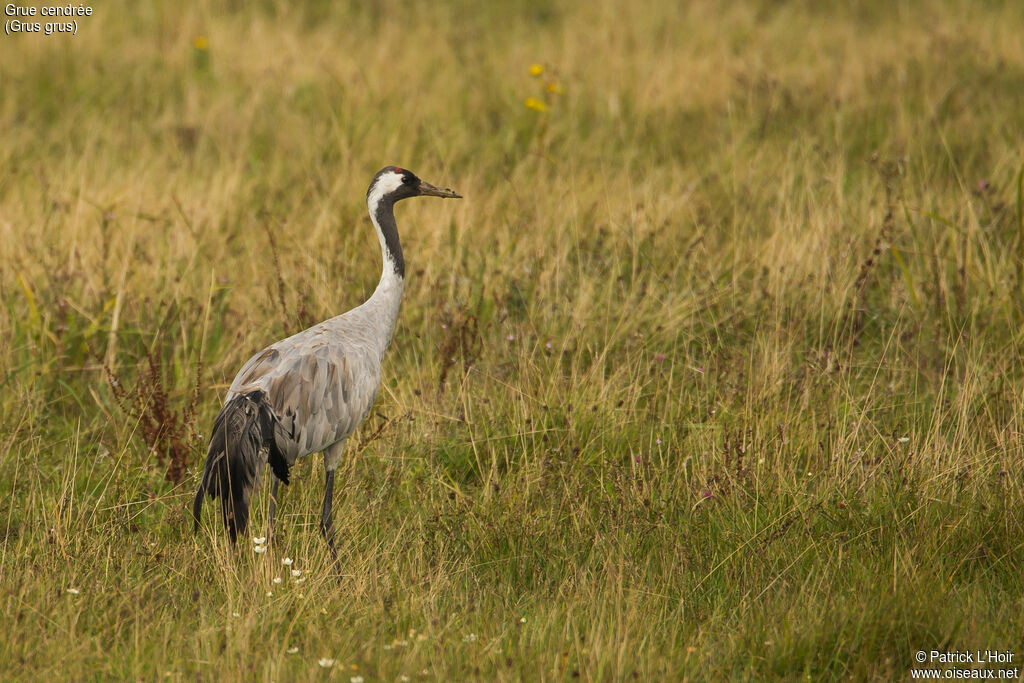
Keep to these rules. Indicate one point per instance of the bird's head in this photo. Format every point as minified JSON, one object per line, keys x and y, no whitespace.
{"x":393,"y":183}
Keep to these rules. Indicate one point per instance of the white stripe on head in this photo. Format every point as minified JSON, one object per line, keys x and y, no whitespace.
{"x":386,"y":184}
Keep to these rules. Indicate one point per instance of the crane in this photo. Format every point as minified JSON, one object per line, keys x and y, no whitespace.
{"x":307,"y":393}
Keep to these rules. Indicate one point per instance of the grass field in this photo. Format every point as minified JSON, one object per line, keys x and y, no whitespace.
{"x":715,"y":373}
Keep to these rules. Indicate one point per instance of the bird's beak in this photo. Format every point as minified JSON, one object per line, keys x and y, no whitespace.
{"x":429,"y":190}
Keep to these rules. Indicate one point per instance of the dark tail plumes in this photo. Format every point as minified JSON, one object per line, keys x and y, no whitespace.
{"x":242,"y":440}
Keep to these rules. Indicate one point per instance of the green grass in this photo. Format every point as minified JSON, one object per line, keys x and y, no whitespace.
{"x":776,"y":251}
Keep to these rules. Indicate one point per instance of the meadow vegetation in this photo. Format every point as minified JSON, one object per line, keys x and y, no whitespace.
{"x":714,"y":373}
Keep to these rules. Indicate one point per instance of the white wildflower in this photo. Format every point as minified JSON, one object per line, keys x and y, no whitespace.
{"x":292,"y":650}
{"x":259,"y":540}
{"x":326,"y":663}
{"x":287,"y":561}
{"x":356,"y":679}
{"x":296,"y":573}
{"x":73,"y":591}
{"x":277,"y":579}
{"x":469,"y":638}
{"x":259,"y":549}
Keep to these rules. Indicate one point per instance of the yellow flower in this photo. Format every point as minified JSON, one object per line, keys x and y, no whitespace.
{"x":535,"y":104}
{"x":201,"y":43}
{"x":553,"y":88}
{"x":536,"y":70}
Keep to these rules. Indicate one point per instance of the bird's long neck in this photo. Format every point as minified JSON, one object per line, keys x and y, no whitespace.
{"x":382,"y":212}
{"x":386,"y":300}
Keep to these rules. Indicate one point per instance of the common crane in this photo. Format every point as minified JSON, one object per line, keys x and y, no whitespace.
{"x":307,"y":393}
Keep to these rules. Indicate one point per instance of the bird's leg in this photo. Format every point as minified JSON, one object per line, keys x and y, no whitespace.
{"x":327,"y":515}
{"x":273,"y":508}
{"x":332,"y":456}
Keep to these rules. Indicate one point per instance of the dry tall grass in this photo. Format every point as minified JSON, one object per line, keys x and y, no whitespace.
{"x":714,"y":373}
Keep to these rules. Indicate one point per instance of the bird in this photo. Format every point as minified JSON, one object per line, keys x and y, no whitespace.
{"x":306,"y":394}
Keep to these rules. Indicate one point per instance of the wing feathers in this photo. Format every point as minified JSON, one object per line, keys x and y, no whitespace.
{"x":319,"y":391}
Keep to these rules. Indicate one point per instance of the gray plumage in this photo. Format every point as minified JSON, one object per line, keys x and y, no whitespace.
{"x":307,"y":393}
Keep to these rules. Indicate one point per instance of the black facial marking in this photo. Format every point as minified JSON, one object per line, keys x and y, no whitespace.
{"x":386,"y":220}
